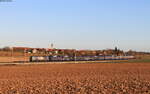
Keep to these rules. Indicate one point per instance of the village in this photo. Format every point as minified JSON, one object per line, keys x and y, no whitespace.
{"x":18,"y":54}
{"x":8,"y":51}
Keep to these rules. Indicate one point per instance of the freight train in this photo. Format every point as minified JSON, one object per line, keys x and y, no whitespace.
{"x":77,"y":58}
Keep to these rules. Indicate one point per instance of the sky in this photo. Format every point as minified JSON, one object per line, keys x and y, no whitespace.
{"x":76,"y":24}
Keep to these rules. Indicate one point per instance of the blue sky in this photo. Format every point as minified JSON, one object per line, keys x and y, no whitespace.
{"x":80,"y":24}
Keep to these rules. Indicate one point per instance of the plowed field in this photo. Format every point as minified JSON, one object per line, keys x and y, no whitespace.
{"x":102,"y":78}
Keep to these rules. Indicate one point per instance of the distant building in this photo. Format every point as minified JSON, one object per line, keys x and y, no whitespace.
{"x":34,"y":51}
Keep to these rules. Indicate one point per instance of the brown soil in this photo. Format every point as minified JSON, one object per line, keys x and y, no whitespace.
{"x":103,"y":78}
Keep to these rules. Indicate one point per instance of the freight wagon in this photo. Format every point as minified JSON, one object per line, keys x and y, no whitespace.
{"x":77,"y":58}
